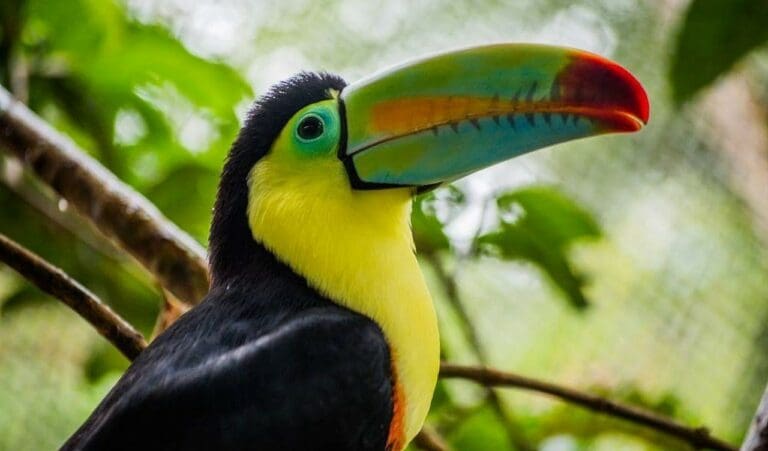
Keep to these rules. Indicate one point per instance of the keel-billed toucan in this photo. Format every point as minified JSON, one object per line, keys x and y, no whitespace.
{"x":318,"y":332}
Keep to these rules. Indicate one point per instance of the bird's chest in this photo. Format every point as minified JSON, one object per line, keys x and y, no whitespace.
{"x":356,"y":249}
{"x":408,"y":321}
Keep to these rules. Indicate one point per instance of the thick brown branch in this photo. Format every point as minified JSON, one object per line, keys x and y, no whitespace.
{"x":757,"y":438}
{"x":697,"y":437}
{"x":55,"y":282}
{"x":118,"y":211}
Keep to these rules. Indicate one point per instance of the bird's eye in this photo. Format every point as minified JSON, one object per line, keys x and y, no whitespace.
{"x":310,"y":127}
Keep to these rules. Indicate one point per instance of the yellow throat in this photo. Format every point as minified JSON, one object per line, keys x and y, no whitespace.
{"x":356,"y":248}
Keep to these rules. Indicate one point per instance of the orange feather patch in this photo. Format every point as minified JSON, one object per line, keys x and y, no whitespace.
{"x":396,"y":437}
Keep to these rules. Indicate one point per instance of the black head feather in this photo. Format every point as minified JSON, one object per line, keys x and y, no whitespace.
{"x":233,"y":251}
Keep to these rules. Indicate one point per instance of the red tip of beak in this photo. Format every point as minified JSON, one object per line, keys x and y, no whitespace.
{"x":594,"y":82}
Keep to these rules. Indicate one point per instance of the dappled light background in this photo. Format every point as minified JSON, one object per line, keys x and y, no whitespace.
{"x":674,"y":269}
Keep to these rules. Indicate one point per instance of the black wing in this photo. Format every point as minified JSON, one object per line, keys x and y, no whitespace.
{"x":319,"y":381}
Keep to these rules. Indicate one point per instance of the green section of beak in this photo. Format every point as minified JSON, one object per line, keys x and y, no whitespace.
{"x":440,"y":118}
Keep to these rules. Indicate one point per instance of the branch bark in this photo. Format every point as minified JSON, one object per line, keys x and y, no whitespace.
{"x":119,"y":212}
{"x":58,"y":284}
{"x":697,"y":437}
{"x":757,"y":437}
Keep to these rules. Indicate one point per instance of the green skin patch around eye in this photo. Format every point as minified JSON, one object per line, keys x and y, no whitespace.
{"x":325,"y":142}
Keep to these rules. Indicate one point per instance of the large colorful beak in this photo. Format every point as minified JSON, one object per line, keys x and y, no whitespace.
{"x":443,"y":117}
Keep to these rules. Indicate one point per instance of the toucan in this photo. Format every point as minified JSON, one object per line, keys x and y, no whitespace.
{"x":318,"y":332}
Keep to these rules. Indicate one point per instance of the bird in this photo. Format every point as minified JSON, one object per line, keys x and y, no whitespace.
{"x":319,"y":332}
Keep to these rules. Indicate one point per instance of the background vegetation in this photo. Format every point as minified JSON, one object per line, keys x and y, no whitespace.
{"x":634,"y":267}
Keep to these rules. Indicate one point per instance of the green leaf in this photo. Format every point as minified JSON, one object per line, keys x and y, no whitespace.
{"x":715,"y":35}
{"x":104,"y":359}
{"x":75,"y":29}
{"x":427,"y":227}
{"x":26,"y":296}
{"x":427,"y":230}
{"x":148,"y":54}
{"x":481,"y":431}
{"x":539,"y":225}
{"x":108,"y":63}
{"x":186,"y":196}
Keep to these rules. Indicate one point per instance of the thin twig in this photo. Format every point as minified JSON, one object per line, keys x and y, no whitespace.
{"x":58,"y":284}
{"x":429,"y":440}
{"x":170,"y":311}
{"x":117,"y":211}
{"x":448,"y":281}
{"x":697,"y":437}
{"x":757,"y":438}
{"x":452,"y":294}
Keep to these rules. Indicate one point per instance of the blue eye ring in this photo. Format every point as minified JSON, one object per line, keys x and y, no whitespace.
{"x":310,"y":128}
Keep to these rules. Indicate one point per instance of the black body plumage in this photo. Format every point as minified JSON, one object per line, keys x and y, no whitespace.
{"x":264,"y":362}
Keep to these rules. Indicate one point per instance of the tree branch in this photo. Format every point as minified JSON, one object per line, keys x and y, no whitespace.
{"x":697,"y":437}
{"x":58,"y":284}
{"x":514,"y":435}
{"x":757,"y":438}
{"x":429,"y":440}
{"x":170,"y":311}
{"x":116,"y":210}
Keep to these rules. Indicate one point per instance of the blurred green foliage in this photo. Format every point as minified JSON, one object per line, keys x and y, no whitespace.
{"x":98,"y":66}
{"x":427,"y":228}
{"x":539,"y":225}
{"x":714,"y":36}
{"x":128,"y":87}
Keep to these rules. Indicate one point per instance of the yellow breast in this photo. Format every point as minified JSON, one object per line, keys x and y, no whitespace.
{"x":356,"y":248}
